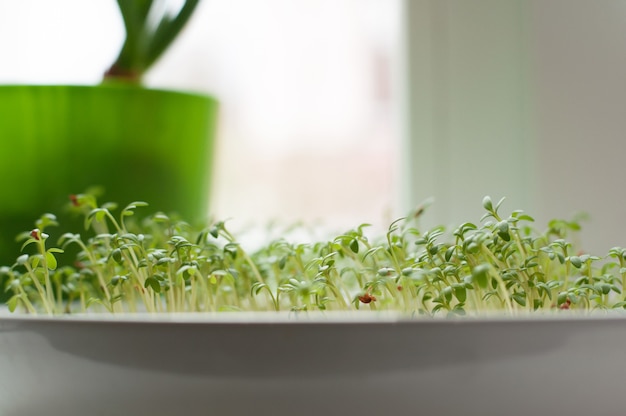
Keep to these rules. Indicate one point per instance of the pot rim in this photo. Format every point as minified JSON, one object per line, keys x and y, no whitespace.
{"x":111,"y":86}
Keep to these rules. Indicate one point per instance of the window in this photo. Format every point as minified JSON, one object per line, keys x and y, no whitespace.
{"x":307,"y":128}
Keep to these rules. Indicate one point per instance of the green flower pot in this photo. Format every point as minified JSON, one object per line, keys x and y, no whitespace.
{"x":136,"y":143}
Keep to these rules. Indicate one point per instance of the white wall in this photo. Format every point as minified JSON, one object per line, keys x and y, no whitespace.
{"x":519,"y":98}
{"x":579,"y":70}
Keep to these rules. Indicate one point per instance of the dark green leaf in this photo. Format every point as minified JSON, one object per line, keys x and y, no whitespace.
{"x":480,"y":275}
{"x":51,"y":261}
{"x":153,"y":283}
{"x":12,"y":303}
{"x":354,"y":245}
{"x":576,"y":261}
{"x":449,"y":253}
{"x":487,"y":204}
{"x":519,"y":298}
{"x":116,"y":255}
{"x":503,"y":230}
{"x":460,"y":292}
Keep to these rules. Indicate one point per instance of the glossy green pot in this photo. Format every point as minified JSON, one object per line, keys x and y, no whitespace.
{"x":136,"y":143}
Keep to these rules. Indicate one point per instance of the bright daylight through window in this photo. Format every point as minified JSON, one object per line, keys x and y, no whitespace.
{"x":307,"y":127}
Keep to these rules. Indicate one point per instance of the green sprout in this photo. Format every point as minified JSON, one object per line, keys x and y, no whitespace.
{"x":158,"y":264}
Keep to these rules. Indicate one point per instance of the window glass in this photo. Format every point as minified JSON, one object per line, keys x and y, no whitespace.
{"x":307,"y":92}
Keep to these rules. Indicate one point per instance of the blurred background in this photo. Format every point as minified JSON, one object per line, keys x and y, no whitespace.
{"x":306,"y":91}
{"x":350,"y":111}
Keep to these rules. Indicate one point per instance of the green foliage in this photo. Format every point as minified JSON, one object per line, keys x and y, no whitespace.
{"x":162,"y":264}
{"x":150,"y":29}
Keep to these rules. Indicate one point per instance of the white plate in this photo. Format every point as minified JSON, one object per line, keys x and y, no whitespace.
{"x":268,"y":364}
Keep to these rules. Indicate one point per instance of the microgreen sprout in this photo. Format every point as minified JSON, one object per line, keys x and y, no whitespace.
{"x":162,"y":264}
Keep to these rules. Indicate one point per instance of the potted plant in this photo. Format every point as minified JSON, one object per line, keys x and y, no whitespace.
{"x":128,"y":139}
{"x":492,"y":317}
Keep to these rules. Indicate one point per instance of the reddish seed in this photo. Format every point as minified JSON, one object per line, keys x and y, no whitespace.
{"x":565,"y":304}
{"x":74,"y":200}
{"x":35,"y":234}
{"x":367,"y":298}
{"x":400,"y":288}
